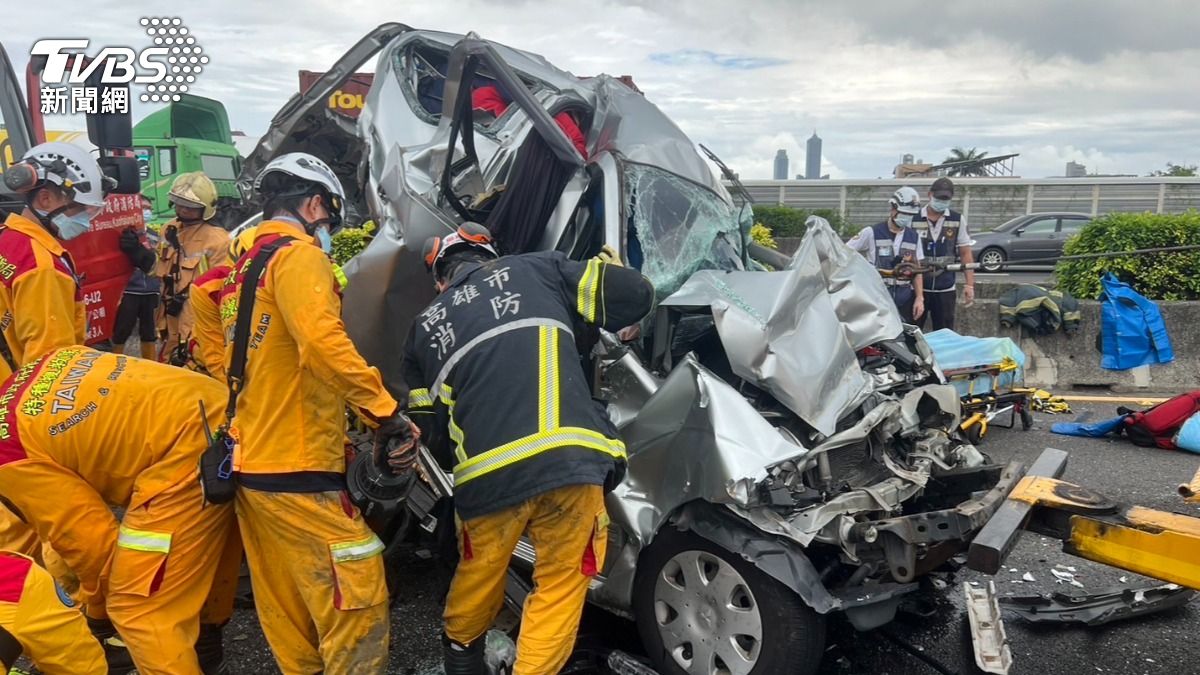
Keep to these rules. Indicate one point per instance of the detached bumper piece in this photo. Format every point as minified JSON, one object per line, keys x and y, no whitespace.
{"x":992,"y":654}
{"x":1097,"y":609}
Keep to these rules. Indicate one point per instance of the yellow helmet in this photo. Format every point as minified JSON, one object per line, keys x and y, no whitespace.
{"x":196,"y":191}
{"x":242,"y":243}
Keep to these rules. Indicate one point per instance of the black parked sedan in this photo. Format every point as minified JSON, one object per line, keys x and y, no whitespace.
{"x":1029,"y":237}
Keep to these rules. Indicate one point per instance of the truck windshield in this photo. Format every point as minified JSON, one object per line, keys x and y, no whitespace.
{"x":676,"y":228}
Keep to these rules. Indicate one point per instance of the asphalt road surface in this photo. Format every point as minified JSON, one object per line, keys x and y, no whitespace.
{"x":1162,"y":643}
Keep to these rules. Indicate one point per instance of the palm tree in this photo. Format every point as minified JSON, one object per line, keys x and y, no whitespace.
{"x":957,"y":154}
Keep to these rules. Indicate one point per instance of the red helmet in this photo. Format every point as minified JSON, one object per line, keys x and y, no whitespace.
{"x":468,"y":235}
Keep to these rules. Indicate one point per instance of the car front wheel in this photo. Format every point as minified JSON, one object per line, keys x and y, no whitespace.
{"x":702,"y":610}
{"x":992,"y":259}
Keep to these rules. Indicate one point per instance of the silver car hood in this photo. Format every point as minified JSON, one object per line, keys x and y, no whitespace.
{"x":795,"y":332}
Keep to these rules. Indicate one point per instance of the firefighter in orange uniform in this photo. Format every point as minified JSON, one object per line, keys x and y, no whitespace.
{"x":39,"y":619}
{"x":190,"y":245}
{"x":316,"y":567}
{"x":41,"y":301}
{"x":158,"y":563}
{"x":208,"y":335}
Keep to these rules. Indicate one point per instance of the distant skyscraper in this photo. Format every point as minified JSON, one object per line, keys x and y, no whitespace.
{"x":781,"y":165}
{"x":812,"y":158}
{"x":1076,"y":170}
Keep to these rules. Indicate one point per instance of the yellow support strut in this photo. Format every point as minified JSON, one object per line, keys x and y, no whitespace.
{"x":1153,"y":543}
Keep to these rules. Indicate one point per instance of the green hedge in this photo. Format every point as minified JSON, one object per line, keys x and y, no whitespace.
{"x":1168,"y":276}
{"x":784,"y":221}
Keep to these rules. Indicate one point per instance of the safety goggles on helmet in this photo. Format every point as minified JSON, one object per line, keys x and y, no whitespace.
{"x":471,"y":235}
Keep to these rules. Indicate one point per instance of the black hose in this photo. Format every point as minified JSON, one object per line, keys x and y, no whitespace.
{"x":1090,"y":256}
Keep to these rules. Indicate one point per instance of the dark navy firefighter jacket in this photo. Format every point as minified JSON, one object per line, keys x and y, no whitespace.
{"x":497,"y":352}
{"x":944,"y":247}
{"x":887,"y":257}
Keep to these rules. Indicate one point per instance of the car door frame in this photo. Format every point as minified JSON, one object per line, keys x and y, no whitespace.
{"x":14,"y":113}
{"x":1025,"y":248}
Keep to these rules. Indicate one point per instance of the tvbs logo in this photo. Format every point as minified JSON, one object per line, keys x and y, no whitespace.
{"x":167,"y":69}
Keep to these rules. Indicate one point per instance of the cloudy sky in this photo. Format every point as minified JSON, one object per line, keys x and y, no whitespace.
{"x":1109,"y":83}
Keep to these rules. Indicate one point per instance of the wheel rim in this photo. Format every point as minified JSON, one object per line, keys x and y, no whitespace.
{"x":991,"y":259}
{"x":707,"y":616}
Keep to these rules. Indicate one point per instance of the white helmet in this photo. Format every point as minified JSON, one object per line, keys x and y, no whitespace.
{"x":906,"y":200}
{"x":70,"y":167}
{"x":308,"y":170}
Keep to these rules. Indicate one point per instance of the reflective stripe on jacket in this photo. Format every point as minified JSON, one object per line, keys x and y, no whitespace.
{"x":301,"y":368}
{"x":887,"y":257}
{"x":1039,"y":310}
{"x":498,"y":350}
{"x":41,"y":302}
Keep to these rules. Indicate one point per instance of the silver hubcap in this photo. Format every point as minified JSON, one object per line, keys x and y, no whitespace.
{"x":707,"y":616}
{"x":991,"y":259}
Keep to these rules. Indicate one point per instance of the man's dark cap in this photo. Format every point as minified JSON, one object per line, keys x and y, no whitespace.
{"x":942,"y":188}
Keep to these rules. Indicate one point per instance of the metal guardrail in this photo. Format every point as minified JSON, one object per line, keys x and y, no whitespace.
{"x":986,"y":202}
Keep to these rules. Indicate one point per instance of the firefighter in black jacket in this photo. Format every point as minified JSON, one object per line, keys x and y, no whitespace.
{"x":494,"y":356}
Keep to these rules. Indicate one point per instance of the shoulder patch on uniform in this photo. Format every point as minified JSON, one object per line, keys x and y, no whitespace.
{"x":63,"y":596}
{"x":16,"y":255}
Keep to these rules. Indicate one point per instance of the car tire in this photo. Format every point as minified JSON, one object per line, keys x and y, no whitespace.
{"x":783,"y":634}
{"x":992,"y":259}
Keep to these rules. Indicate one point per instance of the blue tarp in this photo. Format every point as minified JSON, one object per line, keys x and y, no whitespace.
{"x":952,"y":351}
{"x":1094,"y":430}
{"x":1132,"y":331}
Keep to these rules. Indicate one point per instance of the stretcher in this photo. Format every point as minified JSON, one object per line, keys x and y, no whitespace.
{"x":988,"y":374}
{"x":988,"y":398}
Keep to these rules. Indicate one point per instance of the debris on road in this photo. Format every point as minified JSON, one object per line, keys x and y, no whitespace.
{"x":1097,"y":608}
{"x":1028,"y":576}
{"x":992,"y":654}
{"x":1061,"y":577}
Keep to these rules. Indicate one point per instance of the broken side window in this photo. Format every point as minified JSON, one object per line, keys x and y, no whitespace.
{"x":676,"y":228}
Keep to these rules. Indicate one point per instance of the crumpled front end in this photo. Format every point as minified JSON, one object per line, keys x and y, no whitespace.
{"x":761,"y":402}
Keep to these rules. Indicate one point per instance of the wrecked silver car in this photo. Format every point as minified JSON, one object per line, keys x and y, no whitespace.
{"x":793,"y":452}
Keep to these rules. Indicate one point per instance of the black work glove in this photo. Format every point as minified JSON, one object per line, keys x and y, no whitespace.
{"x":172,"y":235}
{"x":131,"y":245}
{"x":129,"y":241}
{"x":396,"y":443}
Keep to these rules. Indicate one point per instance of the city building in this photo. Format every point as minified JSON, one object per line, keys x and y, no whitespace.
{"x":1075,"y":170}
{"x":781,"y":165}
{"x":812,"y":157}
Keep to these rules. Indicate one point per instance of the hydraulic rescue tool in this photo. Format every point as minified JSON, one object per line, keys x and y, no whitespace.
{"x":1154,"y":543}
{"x":906,"y":270}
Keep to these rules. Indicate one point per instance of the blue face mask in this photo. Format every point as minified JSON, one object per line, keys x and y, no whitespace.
{"x":940,"y":205}
{"x":903,"y":220}
{"x":70,"y":227}
{"x":324,"y":238}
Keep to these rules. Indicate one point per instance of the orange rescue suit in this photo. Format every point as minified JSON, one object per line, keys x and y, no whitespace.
{"x":75,"y":440}
{"x":301,"y":368}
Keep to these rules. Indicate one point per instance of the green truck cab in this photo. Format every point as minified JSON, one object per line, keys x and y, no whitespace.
{"x":191,"y":134}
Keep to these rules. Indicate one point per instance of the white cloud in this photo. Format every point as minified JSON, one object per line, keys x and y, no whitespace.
{"x":1068,"y":81}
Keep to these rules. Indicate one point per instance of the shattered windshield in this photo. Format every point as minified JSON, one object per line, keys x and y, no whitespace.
{"x":676,"y":228}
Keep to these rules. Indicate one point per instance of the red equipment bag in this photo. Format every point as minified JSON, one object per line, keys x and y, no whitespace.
{"x":1156,"y":426}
